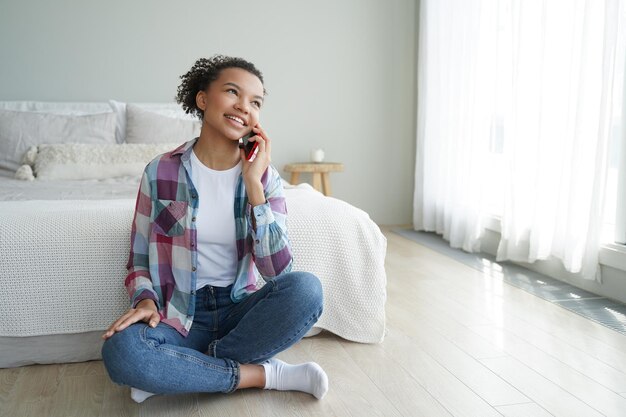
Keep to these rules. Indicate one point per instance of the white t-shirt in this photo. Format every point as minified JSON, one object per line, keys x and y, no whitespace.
{"x":215,"y":224}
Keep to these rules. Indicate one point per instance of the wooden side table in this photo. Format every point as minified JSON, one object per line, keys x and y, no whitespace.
{"x":320,"y":171}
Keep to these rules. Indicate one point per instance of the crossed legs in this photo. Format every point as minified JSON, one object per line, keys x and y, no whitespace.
{"x":160,"y":360}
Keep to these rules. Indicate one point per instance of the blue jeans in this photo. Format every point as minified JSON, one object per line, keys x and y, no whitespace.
{"x":223,"y":335}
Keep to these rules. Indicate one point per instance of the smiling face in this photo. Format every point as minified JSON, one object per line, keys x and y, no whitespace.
{"x":231,"y":104}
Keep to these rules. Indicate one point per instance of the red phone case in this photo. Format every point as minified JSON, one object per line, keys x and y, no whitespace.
{"x":249,"y":147}
{"x":251,"y":152}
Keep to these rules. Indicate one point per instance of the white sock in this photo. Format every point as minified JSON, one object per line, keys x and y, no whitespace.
{"x":139,"y":396}
{"x":307,"y":377}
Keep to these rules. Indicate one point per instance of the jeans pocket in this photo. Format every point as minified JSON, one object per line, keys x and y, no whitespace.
{"x":170,"y":217}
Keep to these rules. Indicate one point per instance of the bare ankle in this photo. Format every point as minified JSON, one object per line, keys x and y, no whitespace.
{"x":251,"y":376}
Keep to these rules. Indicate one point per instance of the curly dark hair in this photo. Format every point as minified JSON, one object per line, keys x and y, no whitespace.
{"x":203,"y":73}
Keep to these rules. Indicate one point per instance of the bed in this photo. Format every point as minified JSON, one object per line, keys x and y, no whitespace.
{"x":64,"y":243}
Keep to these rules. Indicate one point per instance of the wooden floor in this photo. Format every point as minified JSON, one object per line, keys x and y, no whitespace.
{"x":459,"y":343}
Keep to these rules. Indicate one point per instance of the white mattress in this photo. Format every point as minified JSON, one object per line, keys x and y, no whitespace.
{"x":110,"y":189}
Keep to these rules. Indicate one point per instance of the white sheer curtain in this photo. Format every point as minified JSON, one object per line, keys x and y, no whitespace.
{"x":516,"y":102}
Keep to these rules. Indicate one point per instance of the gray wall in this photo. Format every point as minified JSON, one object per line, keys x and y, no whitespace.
{"x":340,"y":74}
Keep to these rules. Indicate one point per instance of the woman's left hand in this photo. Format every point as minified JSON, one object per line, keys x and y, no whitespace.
{"x":254,"y":169}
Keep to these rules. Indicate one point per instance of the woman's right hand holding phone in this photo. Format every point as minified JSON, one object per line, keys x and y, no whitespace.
{"x":254,"y":169}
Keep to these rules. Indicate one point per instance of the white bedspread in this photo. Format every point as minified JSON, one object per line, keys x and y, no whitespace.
{"x":63,"y":262}
{"x":346,"y":250}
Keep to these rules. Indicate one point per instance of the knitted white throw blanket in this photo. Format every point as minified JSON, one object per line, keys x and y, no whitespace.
{"x":63,"y":264}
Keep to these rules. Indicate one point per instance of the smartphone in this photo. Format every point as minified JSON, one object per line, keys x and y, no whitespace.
{"x":247,"y":146}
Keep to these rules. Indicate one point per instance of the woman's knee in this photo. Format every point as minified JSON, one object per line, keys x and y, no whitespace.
{"x":120,"y":351}
{"x":307,"y":290}
{"x":111,"y":356}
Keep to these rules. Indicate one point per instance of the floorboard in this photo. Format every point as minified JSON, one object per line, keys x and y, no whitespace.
{"x":459,"y":342}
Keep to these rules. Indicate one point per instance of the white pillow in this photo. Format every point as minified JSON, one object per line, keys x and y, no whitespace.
{"x":20,"y":130}
{"x":119,"y":109}
{"x":171,"y":109}
{"x":144,"y":126}
{"x":82,"y":162}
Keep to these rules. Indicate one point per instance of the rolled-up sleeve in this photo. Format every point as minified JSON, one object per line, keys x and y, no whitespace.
{"x":271,"y":248}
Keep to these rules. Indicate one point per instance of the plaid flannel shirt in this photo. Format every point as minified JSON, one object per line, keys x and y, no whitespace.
{"x":163,"y":255}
